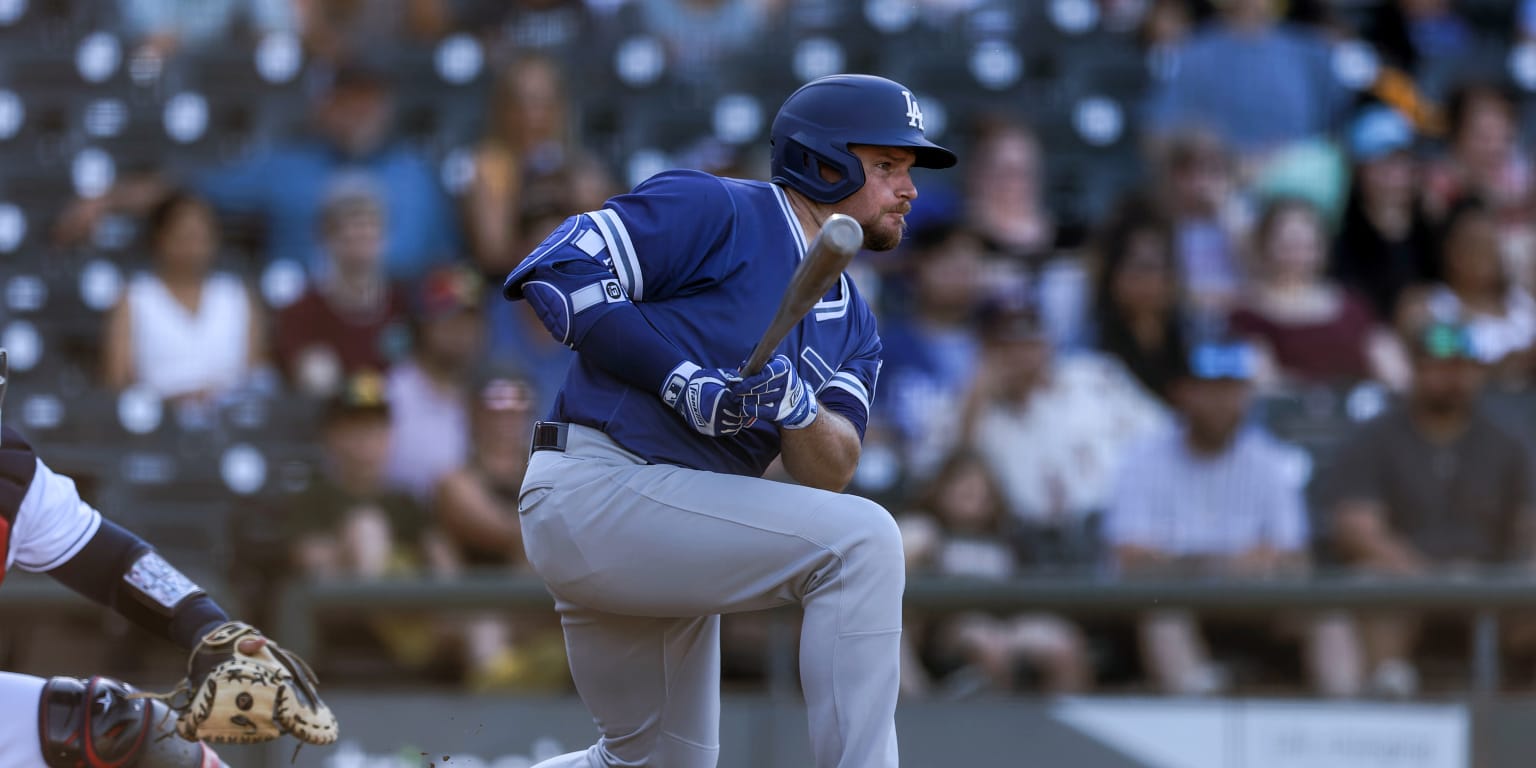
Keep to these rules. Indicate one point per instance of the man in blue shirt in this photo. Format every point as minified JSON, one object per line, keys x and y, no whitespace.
{"x":1257,"y":84}
{"x":287,"y":184}
{"x":644,"y":508}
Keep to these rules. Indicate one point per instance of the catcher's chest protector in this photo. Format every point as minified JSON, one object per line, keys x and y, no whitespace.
{"x":17,"y":466}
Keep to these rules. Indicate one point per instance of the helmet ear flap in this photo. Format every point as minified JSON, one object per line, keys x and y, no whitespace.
{"x":801,"y":165}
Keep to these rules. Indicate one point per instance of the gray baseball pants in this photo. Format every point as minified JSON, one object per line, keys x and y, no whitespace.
{"x":642,"y":559}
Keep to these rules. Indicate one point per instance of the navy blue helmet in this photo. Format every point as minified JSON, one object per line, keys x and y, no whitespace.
{"x":817,"y":123}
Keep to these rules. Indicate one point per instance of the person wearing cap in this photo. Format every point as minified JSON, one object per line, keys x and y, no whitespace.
{"x":351,"y":318}
{"x":1052,"y":427}
{"x":476,"y":507}
{"x":1386,"y":242}
{"x":349,"y":523}
{"x":429,"y":389}
{"x":1212,"y":497}
{"x":283,"y":184}
{"x":1429,"y":484}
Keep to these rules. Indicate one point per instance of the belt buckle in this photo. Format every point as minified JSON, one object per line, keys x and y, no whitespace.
{"x":548,"y":436}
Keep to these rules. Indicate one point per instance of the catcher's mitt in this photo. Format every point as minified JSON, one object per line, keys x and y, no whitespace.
{"x":236,"y":697}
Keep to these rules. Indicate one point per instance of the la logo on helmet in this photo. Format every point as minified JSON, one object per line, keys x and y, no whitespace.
{"x":914,"y":113}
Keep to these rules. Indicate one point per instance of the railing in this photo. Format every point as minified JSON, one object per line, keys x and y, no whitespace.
{"x":1482,"y":598}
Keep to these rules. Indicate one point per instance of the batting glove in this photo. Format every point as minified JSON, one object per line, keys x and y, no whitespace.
{"x":703,"y":398}
{"x":777,"y":394}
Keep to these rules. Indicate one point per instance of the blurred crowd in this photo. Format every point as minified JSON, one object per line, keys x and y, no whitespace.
{"x":1298,"y":337}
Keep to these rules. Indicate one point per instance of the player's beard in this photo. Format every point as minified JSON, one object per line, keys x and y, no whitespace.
{"x":880,"y":236}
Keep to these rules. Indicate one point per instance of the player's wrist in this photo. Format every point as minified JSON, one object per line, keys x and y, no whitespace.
{"x":803,"y":414}
{"x":676,"y":383}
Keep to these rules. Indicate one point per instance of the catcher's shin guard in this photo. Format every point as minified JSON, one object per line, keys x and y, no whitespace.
{"x":100,"y":723}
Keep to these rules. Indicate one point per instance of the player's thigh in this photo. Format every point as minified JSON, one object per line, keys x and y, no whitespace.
{"x":652,"y":685}
{"x":19,"y":696}
{"x":668,"y":541}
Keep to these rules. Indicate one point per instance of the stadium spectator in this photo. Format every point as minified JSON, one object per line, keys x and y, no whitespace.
{"x":160,"y":28}
{"x":1006,"y":205}
{"x":1426,"y":38}
{"x":351,"y":318}
{"x":958,"y":528}
{"x":1258,"y":84}
{"x":1005,"y":196}
{"x":1386,"y":243}
{"x":702,"y":35}
{"x":1052,"y":428}
{"x":182,"y":329}
{"x":1429,"y":485}
{"x":1198,"y":188}
{"x":1210,"y":497}
{"x":336,"y":30}
{"x":348,"y":523}
{"x":1137,"y":300}
{"x":1165,"y":26}
{"x":1487,"y":161}
{"x":285,"y":184}
{"x":429,"y":389}
{"x":524,"y":161}
{"x":930,"y":350}
{"x":1306,"y":328}
{"x":476,"y":507}
{"x":1500,"y":314}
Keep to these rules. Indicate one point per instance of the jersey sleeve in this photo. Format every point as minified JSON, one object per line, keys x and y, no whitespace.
{"x":52,"y":524}
{"x":851,"y":389}
{"x":670,"y":236}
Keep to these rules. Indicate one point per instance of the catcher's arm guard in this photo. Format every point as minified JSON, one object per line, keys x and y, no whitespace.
{"x":236,"y":697}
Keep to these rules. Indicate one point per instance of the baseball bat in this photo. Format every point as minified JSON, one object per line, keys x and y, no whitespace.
{"x":839,"y":239}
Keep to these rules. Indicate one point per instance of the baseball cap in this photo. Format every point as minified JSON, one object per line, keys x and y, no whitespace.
{"x":1443,"y":340}
{"x":362,"y":393}
{"x":351,"y":193}
{"x":1212,"y":361}
{"x":505,"y":394}
{"x":1379,"y":131}
{"x":447,"y":290}
{"x":1002,"y":319}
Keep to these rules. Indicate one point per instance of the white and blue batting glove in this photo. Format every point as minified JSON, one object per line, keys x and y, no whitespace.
{"x":777,"y":394}
{"x":703,"y":397}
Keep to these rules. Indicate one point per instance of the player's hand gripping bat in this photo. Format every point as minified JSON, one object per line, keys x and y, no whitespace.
{"x":840,"y":238}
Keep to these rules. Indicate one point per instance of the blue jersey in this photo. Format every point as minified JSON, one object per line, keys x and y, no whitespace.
{"x":706,"y":260}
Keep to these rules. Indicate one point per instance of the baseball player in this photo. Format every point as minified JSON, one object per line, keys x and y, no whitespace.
{"x":66,"y":722}
{"x":644,"y":509}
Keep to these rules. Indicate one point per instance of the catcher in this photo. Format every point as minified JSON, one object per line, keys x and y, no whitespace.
{"x":240,"y":686}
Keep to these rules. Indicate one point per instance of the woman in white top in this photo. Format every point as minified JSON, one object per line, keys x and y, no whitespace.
{"x":182,"y":330}
{"x":1478,"y":291}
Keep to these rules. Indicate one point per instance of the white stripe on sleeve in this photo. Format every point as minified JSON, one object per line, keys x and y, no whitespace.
{"x":849,"y":383}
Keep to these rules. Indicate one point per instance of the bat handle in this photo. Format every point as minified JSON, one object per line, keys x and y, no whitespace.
{"x":760,"y":357}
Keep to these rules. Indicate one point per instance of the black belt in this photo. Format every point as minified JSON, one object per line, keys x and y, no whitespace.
{"x":549,"y":436}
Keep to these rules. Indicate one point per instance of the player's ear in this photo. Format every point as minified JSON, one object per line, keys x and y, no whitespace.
{"x":828,"y":173}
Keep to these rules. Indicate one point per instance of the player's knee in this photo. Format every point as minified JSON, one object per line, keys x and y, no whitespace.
{"x":877,"y":548}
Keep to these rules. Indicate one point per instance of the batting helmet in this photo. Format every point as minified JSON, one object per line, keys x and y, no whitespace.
{"x":817,"y":123}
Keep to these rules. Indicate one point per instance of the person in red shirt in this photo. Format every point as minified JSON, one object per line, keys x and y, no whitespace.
{"x":1307,"y":328}
{"x":351,"y":319}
